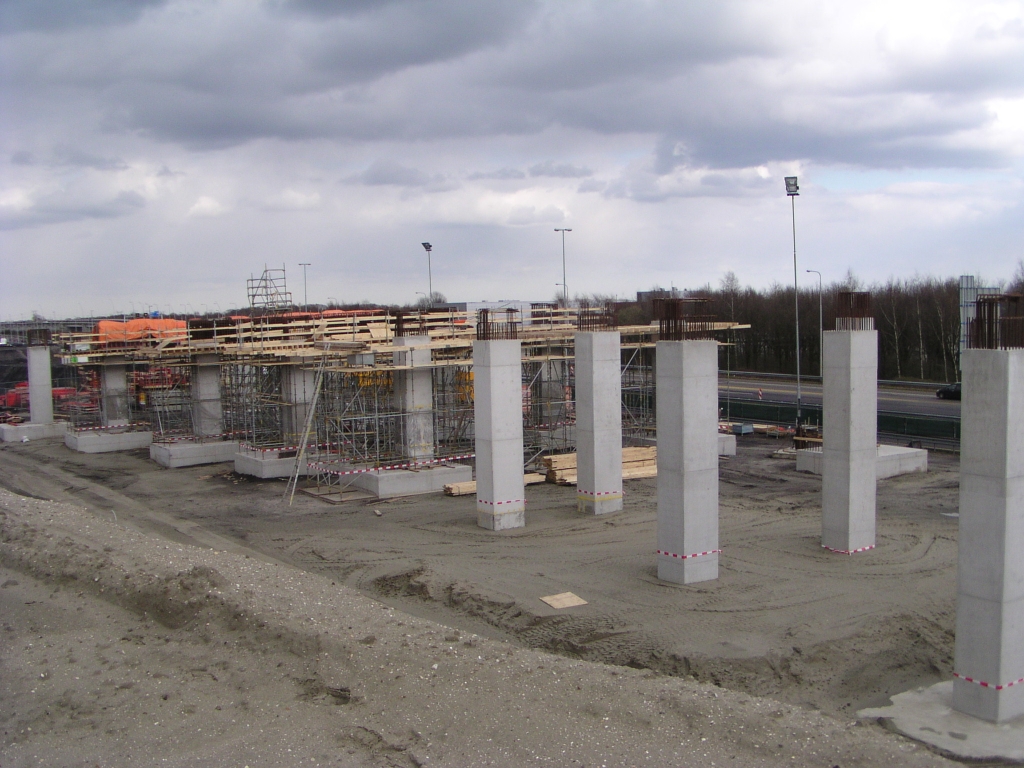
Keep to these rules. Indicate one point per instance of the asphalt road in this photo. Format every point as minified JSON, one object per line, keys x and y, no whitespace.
{"x":893,"y":399}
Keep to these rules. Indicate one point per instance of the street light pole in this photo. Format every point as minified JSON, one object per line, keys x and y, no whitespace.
{"x":821,"y":329}
{"x":430,"y":279}
{"x":565,"y":288}
{"x":793,"y":189}
{"x":305,"y":291}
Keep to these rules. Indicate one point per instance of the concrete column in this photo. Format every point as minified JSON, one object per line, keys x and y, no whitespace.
{"x":207,"y":412}
{"x":498,"y":411}
{"x":686,"y":382}
{"x":297,"y":385}
{"x":598,"y":423}
{"x":115,"y":408}
{"x":415,"y":394}
{"x":850,"y":446}
{"x":989,"y":660}
{"x":40,"y":385}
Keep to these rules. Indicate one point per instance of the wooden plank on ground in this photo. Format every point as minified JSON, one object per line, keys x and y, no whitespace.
{"x":469,"y":486}
{"x":564,"y":600}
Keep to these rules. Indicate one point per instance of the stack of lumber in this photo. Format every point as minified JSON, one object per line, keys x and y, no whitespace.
{"x":636,"y":463}
{"x":469,"y":486}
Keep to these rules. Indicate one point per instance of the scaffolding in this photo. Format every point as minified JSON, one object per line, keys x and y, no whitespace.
{"x":352,"y":421}
{"x":269,"y":292}
{"x":251,"y":400}
{"x":166,"y":393}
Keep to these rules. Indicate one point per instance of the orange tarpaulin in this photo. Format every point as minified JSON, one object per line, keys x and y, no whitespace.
{"x":143,"y":329}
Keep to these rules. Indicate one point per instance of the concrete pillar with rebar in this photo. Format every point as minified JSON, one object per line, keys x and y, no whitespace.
{"x":40,"y":385}
{"x":297,"y":387}
{"x":598,"y":422}
{"x":498,"y":412}
{"x":686,"y":382}
{"x":115,"y":408}
{"x":415,"y":395}
{"x":207,"y":412}
{"x":849,"y":419}
{"x":989,"y":662}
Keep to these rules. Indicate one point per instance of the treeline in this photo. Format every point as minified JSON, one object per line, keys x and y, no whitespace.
{"x":918,"y":324}
{"x":917,"y":319}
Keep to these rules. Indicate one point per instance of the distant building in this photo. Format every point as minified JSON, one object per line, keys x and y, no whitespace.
{"x":643,"y":297}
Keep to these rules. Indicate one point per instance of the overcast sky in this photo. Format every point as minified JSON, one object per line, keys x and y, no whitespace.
{"x":156,"y":154}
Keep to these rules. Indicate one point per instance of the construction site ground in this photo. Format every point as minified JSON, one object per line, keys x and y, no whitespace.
{"x":790,"y":641}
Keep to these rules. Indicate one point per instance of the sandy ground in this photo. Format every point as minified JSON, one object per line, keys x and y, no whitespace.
{"x":287,"y":642}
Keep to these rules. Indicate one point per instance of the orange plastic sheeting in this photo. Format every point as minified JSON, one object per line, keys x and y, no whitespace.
{"x":143,"y":329}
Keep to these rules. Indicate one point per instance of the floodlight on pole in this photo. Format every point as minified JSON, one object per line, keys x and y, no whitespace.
{"x":430,"y":280}
{"x":821,"y":329}
{"x":793,"y":189}
{"x":565,"y":288}
{"x":305,"y":292}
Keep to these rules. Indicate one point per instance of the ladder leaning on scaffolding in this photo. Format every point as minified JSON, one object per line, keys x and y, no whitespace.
{"x":300,"y":457}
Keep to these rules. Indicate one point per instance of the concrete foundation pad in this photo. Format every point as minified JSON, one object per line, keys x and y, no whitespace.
{"x":501,"y":521}
{"x":588,"y":505}
{"x":927,"y":715}
{"x":726,"y":443}
{"x":190,"y":454}
{"x":892,"y":460}
{"x":16,"y":433}
{"x":107,"y":442}
{"x":391,"y":483}
{"x":266,"y":465}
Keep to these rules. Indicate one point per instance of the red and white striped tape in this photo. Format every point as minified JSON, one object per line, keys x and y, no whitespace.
{"x":983,"y":684}
{"x":848,"y":551}
{"x":500,"y":503}
{"x":322,"y":466}
{"x":689,"y":557}
{"x":130,"y":425}
{"x":280,"y":448}
{"x":598,"y":493}
{"x":193,"y":438}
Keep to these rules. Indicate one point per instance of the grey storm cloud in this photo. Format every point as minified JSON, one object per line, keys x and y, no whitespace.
{"x":383,"y":172}
{"x":559,"y":170}
{"x":57,"y":208}
{"x":23,"y":15}
{"x":691,"y":75}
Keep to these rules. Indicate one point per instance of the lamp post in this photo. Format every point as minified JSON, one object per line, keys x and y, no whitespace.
{"x":430,"y":280}
{"x":821,"y":329}
{"x":565,"y":288}
{"x":793,"y":189}
{"x":305,"y":292}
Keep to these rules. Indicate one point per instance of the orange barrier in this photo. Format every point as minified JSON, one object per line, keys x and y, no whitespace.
{"x":143,"y":329}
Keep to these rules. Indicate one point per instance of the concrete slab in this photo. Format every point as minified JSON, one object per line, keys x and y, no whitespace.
{"x":16,"y":433}
{"x":107,"y":442}
{"x":927,"y":715}
{"x":391,"y":483}
{"x":267,"y":465}
{"x":191,"y":454}
{"x":726,"y":443}
{"x":892,"y":460}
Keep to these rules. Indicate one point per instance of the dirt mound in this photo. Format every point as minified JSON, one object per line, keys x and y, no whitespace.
{"x":880,"y":662}
{"x":125,"y":649}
